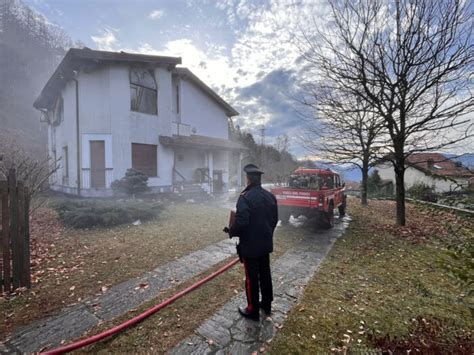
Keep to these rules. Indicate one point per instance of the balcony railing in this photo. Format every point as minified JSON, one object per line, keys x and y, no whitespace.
{"x":180,"y":129}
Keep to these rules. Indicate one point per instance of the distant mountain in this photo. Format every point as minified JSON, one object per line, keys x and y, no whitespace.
{"x":347,"y":171}
{"x":466,"y":159}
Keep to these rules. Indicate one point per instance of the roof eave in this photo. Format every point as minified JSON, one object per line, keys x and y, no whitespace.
{"x":75,"y":57}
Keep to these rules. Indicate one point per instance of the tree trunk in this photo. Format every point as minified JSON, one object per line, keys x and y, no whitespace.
{"x":365,"y":178}
{"x":400,"y":190}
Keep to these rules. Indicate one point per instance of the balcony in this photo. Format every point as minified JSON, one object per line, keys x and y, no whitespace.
{"x":180,"y":129}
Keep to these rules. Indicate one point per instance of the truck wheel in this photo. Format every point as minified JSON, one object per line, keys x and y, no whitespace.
{"x":342,"y":209}
{"x":328,"y":217}
{"x":284,"y":217}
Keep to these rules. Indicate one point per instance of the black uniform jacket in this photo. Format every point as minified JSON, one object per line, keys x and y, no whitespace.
{"x":255,"y":221}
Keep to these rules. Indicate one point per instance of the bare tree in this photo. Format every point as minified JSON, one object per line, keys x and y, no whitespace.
{"x":345,"y":132}
{"x":410,"y":61}
{"x":35,"y":172}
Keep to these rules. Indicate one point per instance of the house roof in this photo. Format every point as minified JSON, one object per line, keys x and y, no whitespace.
{"x":187,"y":74}
{"x":438,"y":164}
{"x":353,"y":185}
{"x":201,"y":142}
{"x":88,"y":59}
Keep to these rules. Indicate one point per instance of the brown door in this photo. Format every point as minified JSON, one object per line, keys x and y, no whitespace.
{"x":97,"y":164}
{"x":218,"y":183}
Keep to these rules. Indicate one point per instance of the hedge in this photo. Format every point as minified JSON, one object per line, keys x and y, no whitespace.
{"x":105,"y":213}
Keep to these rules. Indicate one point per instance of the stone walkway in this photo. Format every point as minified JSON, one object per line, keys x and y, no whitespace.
{"x":72,"y":322}
{"x":228,"y":333}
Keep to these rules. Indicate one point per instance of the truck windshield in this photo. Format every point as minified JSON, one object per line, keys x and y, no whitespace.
{"x":306,"y":181}
{"x":311,"y":181}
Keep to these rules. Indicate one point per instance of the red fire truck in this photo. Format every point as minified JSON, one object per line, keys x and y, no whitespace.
{"x":312,"y":193}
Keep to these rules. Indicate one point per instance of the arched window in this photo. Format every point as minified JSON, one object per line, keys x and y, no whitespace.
{"x":143,"y":91}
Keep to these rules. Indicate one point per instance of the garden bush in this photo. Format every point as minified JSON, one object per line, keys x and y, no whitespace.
{"x":378,"y":188}
{"x":422,"y":192}
{"x":104,"y":213}
{"x":133,"y":183}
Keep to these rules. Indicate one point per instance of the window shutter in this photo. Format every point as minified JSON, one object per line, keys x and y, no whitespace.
{"x":144,"y":159}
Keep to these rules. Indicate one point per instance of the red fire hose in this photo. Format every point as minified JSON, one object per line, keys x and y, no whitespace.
{"x":140,"y":317}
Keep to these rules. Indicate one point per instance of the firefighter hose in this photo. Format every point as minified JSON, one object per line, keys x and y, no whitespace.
{"x":131,"y":322}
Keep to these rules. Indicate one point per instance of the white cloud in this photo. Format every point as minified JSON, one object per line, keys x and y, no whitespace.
{"x":106,"y":40}
{"x":212,"y":67}
{"x":156,"y":15}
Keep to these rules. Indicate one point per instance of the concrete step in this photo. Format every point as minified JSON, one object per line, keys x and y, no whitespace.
{"x":191,"y":188}
{"x":193,"y":192}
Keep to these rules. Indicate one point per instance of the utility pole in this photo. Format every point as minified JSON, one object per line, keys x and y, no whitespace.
{"x":262,"y":145}
{"x":262,"y":135}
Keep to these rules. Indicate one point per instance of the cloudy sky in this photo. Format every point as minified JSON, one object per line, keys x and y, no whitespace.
{"x":241,"y":48}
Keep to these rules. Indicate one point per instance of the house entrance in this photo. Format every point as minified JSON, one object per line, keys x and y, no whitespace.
{"x":97,"y":149}
{"x":218,"y":183}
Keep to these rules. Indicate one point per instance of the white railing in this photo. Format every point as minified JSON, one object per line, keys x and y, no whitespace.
{"x":180,"y":129}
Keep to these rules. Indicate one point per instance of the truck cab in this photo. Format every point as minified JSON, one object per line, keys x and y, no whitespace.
{"x":312,"y":193}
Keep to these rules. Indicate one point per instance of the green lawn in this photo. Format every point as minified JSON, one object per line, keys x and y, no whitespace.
{"x":383,"y":287}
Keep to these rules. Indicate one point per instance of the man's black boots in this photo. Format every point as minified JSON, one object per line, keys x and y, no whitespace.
{"x":265,"y":308}
{"x":250,"y":315}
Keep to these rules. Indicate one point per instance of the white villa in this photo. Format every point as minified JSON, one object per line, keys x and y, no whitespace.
{"x":108,"y":112}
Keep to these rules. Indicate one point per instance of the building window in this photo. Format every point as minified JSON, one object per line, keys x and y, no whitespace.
{"x":58,"y":111}
{"x":177,"y":99}
{"x":143,"y":91}
{"x":65,"y":162}
{"x":180,"y":157}
{"x":144,"y":159}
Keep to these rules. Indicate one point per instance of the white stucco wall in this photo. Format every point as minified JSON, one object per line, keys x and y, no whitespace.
{"x":221,"y":162}
{"x":65,"y":136}
{"x":192,"y":160}
{"x":134,"y":127}
{"x":104,"y":101}
{"x":414,"y":176}
{"x":201,"y":112}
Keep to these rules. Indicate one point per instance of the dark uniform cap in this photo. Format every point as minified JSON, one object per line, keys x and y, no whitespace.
{"x":252,"y":169}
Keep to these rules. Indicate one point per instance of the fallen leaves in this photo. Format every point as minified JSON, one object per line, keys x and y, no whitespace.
{"x":422,"y":223}
{"x":142,"y":286}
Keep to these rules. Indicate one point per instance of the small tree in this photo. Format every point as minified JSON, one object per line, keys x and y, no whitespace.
{"x":422,"y":192}
{"x":341,"y":129}
{"x":33,"y":169}
{"x":133,"y":183}
{"x":373,"y":182}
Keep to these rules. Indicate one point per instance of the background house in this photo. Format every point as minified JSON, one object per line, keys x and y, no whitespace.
{"x":108,"y":112}
{"x":431,"y":169}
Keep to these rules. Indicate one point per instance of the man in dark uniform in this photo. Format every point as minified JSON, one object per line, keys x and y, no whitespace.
{"x":255,"y":220}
